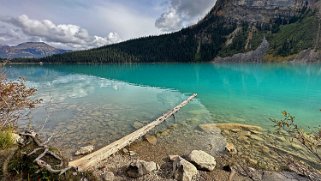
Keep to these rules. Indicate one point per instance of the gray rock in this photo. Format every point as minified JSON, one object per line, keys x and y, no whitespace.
{"x":85,"y":150}
{"x":184,"y":170}
{"x":202,"y":160}
{"x":283,"y":176}
{"x":108,"y":176}
{"x":140,"y":167}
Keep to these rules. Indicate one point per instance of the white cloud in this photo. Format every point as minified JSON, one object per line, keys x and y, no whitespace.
{"x":182,"y":13}
{"x":127,"y":21}
{"x":63,"y":35}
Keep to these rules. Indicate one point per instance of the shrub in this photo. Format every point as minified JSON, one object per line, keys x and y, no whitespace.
{"x":15,"y":101}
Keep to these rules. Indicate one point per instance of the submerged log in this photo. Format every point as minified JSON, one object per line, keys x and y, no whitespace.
{"x":103,"y":153}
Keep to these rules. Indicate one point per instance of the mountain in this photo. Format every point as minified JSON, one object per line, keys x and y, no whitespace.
{"x":29,"y":50}
{"x":233,"y":31}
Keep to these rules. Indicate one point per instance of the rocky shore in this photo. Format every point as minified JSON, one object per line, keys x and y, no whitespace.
{"x":223,"y":151}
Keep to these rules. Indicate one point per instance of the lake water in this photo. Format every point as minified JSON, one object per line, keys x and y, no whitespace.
{"x":98,"y":104}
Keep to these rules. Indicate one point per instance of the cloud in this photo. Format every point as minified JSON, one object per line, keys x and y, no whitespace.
{"x":68,"y":35}
{"x":182,"y":13}
{"x":128,"y":21}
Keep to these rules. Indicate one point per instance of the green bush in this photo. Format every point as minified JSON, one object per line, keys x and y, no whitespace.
{"x":6,"y":139}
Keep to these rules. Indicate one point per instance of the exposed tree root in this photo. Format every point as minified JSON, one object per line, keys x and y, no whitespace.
{"x":45,"y":152}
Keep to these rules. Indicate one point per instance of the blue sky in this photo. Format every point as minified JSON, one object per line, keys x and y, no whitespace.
{"x":82,"y":24}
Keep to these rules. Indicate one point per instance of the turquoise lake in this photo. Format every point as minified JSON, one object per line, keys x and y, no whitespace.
{"x":106,"y":101}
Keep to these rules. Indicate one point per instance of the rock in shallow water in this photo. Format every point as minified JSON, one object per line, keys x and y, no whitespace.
{"x":140,"y":167}
{"x":184,"y":170}
{"x":210,"y":128}
{"x":151,"y":139}
{"x":85,"y":150}
{"x":202,"y":160}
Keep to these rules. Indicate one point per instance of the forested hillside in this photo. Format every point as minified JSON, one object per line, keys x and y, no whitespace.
{"x":290,"y":28}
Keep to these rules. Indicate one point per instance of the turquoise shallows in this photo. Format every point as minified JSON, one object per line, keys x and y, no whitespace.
{"x":245,"y":93}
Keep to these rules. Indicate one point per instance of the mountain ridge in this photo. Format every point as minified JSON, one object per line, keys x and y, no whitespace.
{"x":29,"y":50}
{"x":290,"y":27}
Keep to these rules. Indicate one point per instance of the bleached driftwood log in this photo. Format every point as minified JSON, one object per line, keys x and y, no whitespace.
{"x":103,"y":153}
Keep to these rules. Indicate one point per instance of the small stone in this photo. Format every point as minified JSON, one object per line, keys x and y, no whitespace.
{"x":280,"y":139}
{"x":265,"y":149}
{"x":138,"y":125}
{"x":151,"y":139}
{"x":245,"y":133}
{"x":257,"y":138}
{"x":85,"y":150}
{"x":173,"y":157}
{"x":252,"y":161}
{"x":235,"y":130}
{"x":125,"y":151}
{"x":243,"y":138}
{"x":165,"y":133}
{"x":202,"y":160}
{"x":132,"y":153}
{"x":184,"y":170}
{"x":296,"y":146}
{"x":173,"y":126}
{"x":225,"y":132}
{"x":140,"y":168}
{"x":230,"y":148}
{"x":256,"y":132}
{"x":108,"y":176}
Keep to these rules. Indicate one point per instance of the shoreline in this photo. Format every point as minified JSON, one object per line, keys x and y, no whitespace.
{"x":159,"y":153}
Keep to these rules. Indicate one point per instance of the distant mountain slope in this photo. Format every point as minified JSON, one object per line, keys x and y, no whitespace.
{"x":234,"y":30}
{"x":29,"y":50}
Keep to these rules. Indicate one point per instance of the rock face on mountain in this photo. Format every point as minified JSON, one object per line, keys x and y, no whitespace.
{"x":233,"y":31}
{"x":29,"y":50}
{"x":260,"y":11}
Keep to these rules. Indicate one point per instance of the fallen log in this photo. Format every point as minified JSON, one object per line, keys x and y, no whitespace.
{"x":103,"y":153}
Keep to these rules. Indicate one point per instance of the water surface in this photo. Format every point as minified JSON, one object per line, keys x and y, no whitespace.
{"x":100,"y":103}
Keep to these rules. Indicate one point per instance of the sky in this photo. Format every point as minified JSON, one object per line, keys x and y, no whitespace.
{"x":84,"y":24}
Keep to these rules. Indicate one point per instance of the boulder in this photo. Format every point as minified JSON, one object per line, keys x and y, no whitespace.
{"x":202,"y":160}
{"x":85,"y":150}
{"x":184,"y":170}
{"x":140,"y":167}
